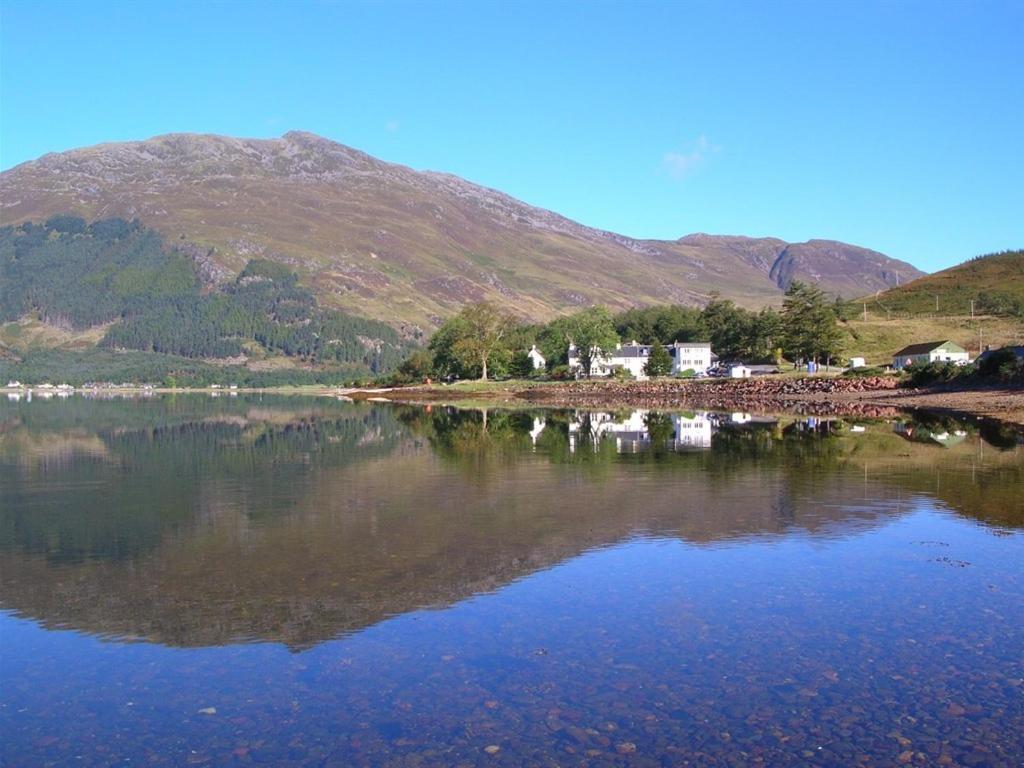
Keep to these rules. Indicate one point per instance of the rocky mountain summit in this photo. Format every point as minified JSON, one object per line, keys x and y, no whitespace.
{"x":389,"y":242}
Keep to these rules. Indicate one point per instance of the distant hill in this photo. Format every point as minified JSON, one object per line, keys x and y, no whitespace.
{"x":995,"y":283}
{"x":404,"y":246}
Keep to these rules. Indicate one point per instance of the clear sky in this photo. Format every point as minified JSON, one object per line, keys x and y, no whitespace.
{"x":898,"y":126}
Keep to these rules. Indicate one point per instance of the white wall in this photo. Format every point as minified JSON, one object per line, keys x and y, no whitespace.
{"x":685,"y":358}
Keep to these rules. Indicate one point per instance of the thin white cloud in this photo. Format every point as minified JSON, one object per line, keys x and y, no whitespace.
{"x":682,"y":163}
{"x":391,"y":126}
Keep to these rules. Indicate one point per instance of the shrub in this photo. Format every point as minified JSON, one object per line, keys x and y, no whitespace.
{"x":561,"y":373}
{"x":993,"y":364}
{"x":619,"y":373}
{"x":689,"y":373}
{"x":936,"y":373}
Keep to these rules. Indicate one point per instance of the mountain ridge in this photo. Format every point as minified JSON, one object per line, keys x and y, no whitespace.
{"x":389,"y":242}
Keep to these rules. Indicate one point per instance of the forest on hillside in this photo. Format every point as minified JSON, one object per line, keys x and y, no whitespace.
{"x":74,"y":274}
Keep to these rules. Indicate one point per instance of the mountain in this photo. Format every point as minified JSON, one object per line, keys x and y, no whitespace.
{"x":391,"y":243}
{"x":994,"y":283}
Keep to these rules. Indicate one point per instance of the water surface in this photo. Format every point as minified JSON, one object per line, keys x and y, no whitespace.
{"x":242,"y":581}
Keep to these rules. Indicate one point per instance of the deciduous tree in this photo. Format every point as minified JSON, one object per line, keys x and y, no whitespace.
{"x":482,"y":332}
{"x":593,"y":332}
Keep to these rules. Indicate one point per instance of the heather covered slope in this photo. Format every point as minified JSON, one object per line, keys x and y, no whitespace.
{"x":388,"y":242}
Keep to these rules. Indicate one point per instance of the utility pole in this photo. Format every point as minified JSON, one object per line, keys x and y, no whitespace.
{"x":936,"y":303}
{"x":972,"y":309}
{"x":865,"y":311}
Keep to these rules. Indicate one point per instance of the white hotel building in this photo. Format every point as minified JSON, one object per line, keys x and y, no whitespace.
{"x":690,"y":355}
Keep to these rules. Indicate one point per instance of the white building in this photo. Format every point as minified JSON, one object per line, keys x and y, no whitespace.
{"x":538,"y":427}
{"x":739,"y":371}
{"x":536,"y":358}
{"x":693,"y":356}
{"x":686,"y":356}
{"x":632,"y":435}
{"x":693,"y":431}
{"x":930,"y":352}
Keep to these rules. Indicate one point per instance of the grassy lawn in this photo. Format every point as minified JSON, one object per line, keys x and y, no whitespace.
{"x":877,"y":338}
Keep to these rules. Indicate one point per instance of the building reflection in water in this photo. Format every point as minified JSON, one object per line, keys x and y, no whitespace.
{"x":641,"y":430}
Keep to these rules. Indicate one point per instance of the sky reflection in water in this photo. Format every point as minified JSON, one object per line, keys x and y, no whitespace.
{"x":348,"y":585}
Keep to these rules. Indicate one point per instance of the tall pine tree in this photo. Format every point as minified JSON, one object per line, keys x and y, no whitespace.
{"x":809,"y":319}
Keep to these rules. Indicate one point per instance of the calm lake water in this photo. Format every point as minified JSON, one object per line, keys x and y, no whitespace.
{"x":295,"y":582}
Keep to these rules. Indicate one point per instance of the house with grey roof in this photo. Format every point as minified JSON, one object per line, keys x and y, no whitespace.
{"x":686,"y":356}
{"x":930,"y":352}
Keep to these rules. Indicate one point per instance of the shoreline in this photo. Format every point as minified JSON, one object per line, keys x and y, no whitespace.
{"x":810,"y":396}
{"x":1001,"y":404}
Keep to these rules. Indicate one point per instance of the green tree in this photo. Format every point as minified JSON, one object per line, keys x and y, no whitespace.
{"x":809,"y":320}
{"x":726,"y":326}
{"x":442,"y":347}
{"x":415,"y":368}
{"x":483,"y":329}
{"x":659,"y":363}
{"x":553,"y":341}
{"x":593,"y":332}
{"x":665,"y":323}
{"x":521,"y":365}
{"x":765,"y":335}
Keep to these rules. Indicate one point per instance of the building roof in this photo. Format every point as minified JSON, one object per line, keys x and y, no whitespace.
{"x":925,"y":347}
{"x":630,"y":350}
{"x":1017,"y":350}
{"x":644,"y":350}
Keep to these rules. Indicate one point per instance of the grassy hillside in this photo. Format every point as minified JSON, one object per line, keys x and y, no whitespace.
{"x":908,"y":314}
{"x":994,"y":282}
{"x":878,"y":338}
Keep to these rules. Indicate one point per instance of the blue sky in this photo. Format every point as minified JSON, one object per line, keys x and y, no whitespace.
{"x":897,"y":126}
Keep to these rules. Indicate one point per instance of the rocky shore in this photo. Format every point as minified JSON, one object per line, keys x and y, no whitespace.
{"x":870,"y":397}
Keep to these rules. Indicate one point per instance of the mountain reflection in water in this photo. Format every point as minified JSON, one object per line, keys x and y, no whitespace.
{"x":188,"y":523}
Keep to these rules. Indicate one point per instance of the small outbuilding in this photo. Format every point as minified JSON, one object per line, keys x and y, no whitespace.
{"x":739,"y":371}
